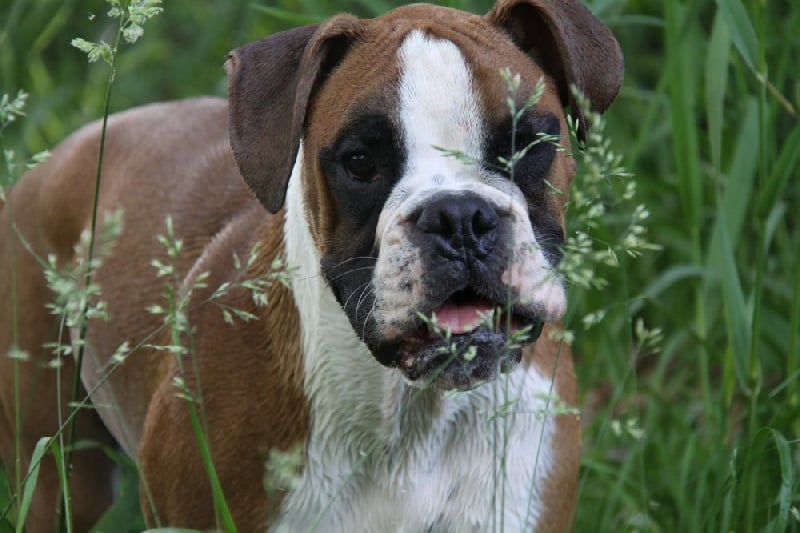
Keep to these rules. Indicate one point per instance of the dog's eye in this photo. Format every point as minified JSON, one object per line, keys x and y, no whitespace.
{"x":360,"y":166}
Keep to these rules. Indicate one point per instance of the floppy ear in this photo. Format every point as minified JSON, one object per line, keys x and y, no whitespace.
{"x":570,"y":44}
{"x":270,"y":83}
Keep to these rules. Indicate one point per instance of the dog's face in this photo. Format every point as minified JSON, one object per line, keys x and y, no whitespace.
{"x":442,"y":258}
{"x":417,"y":242}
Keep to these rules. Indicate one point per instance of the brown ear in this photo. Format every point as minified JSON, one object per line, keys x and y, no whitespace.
{"x":270,"y":83}
{"x":570,"y":44}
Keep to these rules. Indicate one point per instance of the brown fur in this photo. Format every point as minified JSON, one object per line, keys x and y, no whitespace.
{"x":554,"y":359}
{"x":175,"y":159}
{"x":189,"y":174}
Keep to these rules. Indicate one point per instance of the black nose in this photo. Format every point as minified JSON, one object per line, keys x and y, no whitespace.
{"x":459,"y":224}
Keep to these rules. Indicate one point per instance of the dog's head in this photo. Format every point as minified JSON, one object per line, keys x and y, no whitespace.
{"x":442,"y":259}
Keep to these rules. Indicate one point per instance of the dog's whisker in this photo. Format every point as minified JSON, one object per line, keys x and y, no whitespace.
{"x":365,"y":293}
{"x":337,"y":276}
{"x":366,"y":321}
{"x":357,"y":258}
{"x":353,"y":292}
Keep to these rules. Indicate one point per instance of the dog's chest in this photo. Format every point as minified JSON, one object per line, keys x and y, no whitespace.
{"x":476,"y":461}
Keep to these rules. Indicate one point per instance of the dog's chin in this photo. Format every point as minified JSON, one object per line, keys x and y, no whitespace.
{"x":465,"y":340}
{"x":462,"y":361}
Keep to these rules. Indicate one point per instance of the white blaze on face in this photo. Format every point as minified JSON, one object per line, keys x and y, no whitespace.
{"x":440,"y":113}
{"x":439,"y":109}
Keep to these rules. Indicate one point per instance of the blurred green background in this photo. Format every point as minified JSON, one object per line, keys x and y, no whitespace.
{"x":701,"y":434}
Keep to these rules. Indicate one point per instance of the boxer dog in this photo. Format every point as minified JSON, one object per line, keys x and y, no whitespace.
{"x":405,"y":356}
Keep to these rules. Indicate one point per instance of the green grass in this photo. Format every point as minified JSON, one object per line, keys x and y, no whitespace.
{"x":702,"y":434}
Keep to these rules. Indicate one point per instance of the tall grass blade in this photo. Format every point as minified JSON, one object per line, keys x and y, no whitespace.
{"x":730,"y":494}
{"x":683,"y":88}
{"x":741,"y":28}
{"x":62,"y":468}
{"x":793,"y":347}
{"x":783,"y":170}
{"x":776,"y":216}
{"x":729,"y":219}
{"x":785,"y":496}
{"x":736,"y":314}
{"x":30,"y":482}
{"x":716,"y":84}
{"x":671,"y":277}
{"x":220,"y":503}
{"x":738,"y":193}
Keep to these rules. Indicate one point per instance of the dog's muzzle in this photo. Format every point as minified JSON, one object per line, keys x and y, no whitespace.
{"x":467,"y":325}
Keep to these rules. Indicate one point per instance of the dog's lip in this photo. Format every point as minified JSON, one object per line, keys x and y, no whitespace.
{"x":467,"y":340}
{"x":439,"y":345}
{"x":465,"y":311}
{"x":461,"y":314}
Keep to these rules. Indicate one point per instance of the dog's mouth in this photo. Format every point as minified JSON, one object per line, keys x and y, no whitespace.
{"x":466,"y":341}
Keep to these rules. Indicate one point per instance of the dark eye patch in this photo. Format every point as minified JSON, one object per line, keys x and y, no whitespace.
{"x":531,"y":170}
{"x":362,"y":166}
{"x":369,"y":132}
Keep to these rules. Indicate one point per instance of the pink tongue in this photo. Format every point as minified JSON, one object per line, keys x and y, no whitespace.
{"x":461,"y":318}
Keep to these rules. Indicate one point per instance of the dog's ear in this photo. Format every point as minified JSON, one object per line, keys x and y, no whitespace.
{"x":270,"y":83}
{"x":566,"y":39}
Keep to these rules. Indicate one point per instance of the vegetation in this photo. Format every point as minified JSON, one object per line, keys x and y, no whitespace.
{"x":689,"y":360}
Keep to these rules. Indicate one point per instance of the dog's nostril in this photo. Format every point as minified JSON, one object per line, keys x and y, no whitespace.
{"x":484,"y":221}
{"x":447,"y":226}
{"x":444,"y":225}
{"x":436,"y":221}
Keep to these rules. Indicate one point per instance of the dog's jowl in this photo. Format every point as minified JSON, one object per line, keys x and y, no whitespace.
{"x":407,"y":353}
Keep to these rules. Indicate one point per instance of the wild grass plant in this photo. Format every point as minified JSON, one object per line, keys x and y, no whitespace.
{"x":688,"y":358}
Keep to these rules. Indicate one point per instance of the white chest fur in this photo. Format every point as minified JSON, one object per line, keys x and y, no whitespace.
{"x":384,"y":456}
